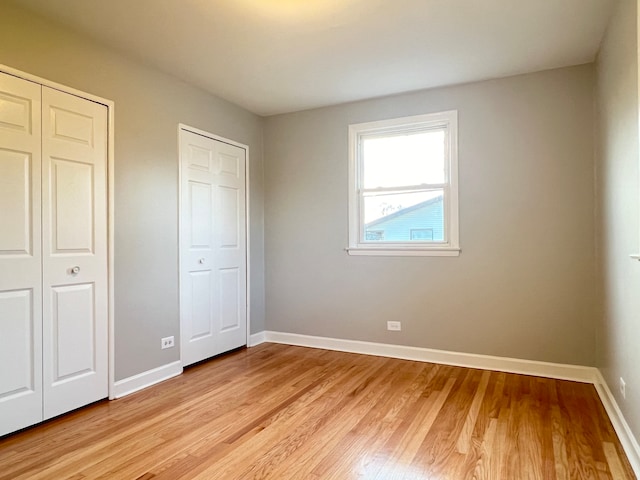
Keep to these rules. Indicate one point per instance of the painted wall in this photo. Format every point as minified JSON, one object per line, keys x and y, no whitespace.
{"x":149,"y":106}
{"x":618,"y":339}
{"x":524,"y":285}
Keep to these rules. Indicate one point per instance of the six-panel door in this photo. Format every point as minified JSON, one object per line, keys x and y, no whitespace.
{"x":20,"y":255}
{"x":53,"y":252}
{"x":213,"y":257}
{"x":74,"y":250}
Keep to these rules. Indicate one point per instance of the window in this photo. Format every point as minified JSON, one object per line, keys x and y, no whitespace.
{"x":403,"y":177}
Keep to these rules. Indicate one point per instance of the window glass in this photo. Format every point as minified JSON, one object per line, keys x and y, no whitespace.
{"x":396,"y":215}
{"x":422,"y":234}
{"x":405,"y":159}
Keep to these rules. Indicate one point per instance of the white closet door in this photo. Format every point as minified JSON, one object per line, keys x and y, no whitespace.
{"x":231,"y":247}
{"x":20,"y":255}
{"x":213,"y":257}
{"x":74,"y":229}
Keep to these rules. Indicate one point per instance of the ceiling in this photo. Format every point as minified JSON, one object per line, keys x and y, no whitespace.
{"x":275,"y":56}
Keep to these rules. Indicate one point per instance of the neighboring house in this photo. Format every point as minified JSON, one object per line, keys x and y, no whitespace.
{"x":422,"y":222}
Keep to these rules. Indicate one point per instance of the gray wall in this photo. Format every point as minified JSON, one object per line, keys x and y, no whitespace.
{"x":618,"y":343}
{"x":524,"y":285}
{"x":149,"y":106}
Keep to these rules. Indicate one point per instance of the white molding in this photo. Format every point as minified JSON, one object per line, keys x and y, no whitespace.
{"x":111,"y":222}
{"x":256,"y":339}
{"x":559,"y":371}
{"x":213,"y":136}
{"x":146,"y":379}
{"x":247,"y":227}
{"x":620,"y":425}
{"x":404,"y":252}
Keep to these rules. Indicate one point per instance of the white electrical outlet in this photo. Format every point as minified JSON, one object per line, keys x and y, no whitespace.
{"x":623,"y":388}
{"x":394,"y":326}
{"x":167,"y":342}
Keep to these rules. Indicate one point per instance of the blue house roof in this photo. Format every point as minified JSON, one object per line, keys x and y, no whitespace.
{"x":421,"y":222}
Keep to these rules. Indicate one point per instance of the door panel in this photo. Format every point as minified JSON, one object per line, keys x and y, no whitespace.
{"x":213,"y":247}
{"x":71,"y":207}
{"x":74,"y":342}
{"x":72,"y":126}
{"x":230,"y":164}
{"x":15,"y":190}
{"x":17,"y":324}
{"x":231,"y":247}
{"x":229,"y":217}
{"x":20,"y":254}
{"x":230,"y":299}
{"x":197,"y":235}
{"x":200,"y":306}
{"x":18,"y":103}
{"x":199,"y":158}
{"x":74,"y":135}
{"x":200,"y":216}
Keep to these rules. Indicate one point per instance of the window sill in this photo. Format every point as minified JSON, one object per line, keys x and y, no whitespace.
{"x":405,"y":252}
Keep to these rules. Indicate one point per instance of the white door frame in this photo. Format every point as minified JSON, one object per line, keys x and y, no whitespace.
{"x":110,"y":198}
{"x":182,"y":126}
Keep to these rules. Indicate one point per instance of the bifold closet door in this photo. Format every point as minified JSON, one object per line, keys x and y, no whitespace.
{"x":213,"y":247}
{"x":20,"y":255}
{"x":53,"y":253}
{"x":74,"y":249}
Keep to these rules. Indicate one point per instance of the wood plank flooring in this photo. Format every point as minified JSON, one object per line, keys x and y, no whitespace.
{"x":283,"y":412}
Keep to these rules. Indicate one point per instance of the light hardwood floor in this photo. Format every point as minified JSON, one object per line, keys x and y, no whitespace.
{"x":283,"y":412}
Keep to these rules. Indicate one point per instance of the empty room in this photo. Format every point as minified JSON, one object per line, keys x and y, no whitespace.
{"x":319,"y":239}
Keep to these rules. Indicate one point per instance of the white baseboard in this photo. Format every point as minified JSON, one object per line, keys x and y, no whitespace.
{"x":132,"y":384}
{"x":627,"y":439}
{"x":256,"y":339}
{"x":484,"y":362}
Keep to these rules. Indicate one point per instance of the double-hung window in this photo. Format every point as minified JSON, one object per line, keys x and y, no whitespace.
{"x":403,"y":177}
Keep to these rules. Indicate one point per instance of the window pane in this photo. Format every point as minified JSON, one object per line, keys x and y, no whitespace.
{"x":404,"y":217}
{"x":408,"y":159}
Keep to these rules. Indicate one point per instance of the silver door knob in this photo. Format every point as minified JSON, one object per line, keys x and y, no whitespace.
{"x":75,"y":270}
{"x":201,"y":261}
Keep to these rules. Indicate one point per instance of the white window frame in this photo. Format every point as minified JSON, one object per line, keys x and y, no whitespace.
{"x":450,"y":246}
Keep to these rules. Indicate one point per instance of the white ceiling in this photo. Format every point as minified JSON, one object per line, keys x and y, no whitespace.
{"x":274,"y":56}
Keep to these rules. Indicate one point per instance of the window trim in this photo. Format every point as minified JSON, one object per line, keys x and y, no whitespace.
{"x":451,"y":246}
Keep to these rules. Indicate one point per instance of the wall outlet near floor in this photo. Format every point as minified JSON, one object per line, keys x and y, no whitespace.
{"x":623,"y":388}
{"x":394,"y":326}
{"x":167,"y":342}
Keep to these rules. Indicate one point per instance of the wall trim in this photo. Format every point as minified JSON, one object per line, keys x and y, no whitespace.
{"x":146,"y":379}
{"x":620,"y":425}
{"x":256,"y":339}
{"x":559,"y":371}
